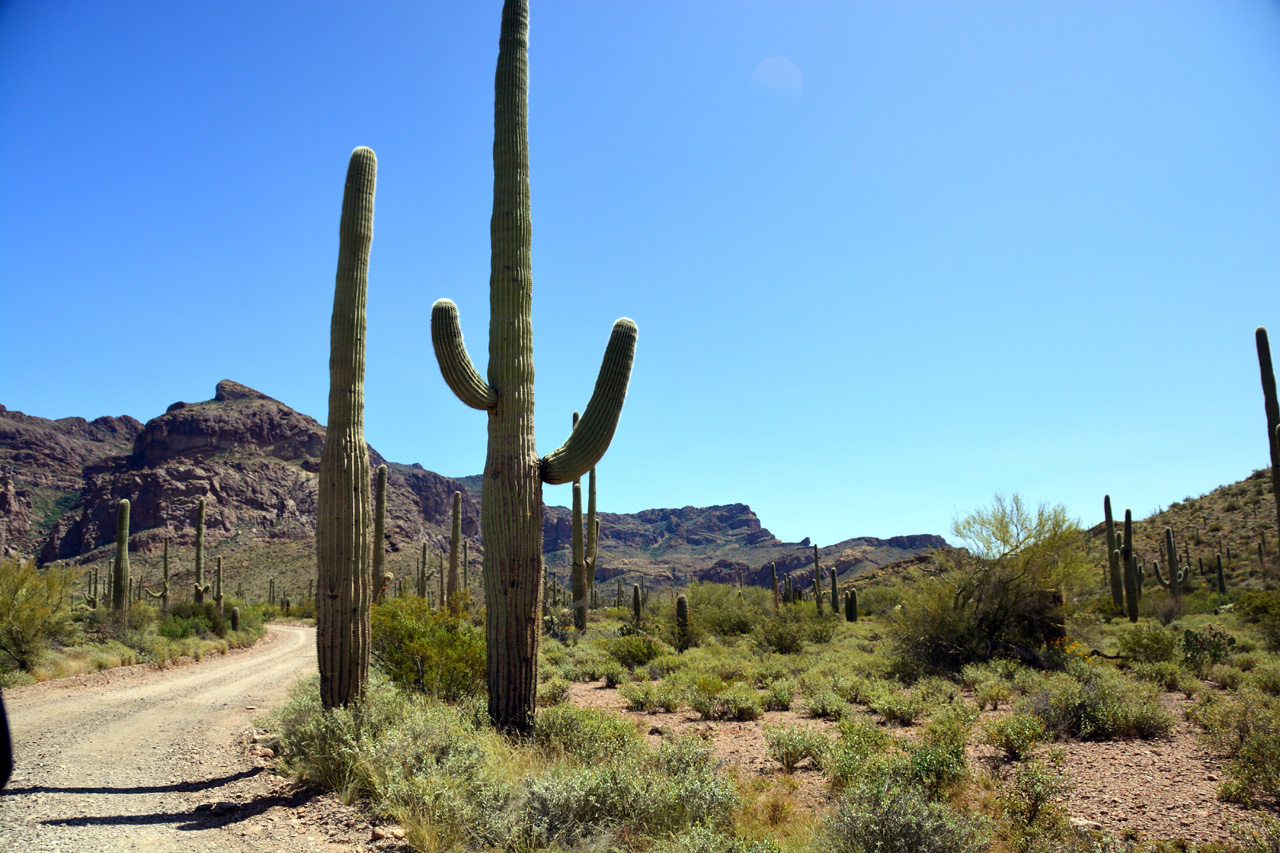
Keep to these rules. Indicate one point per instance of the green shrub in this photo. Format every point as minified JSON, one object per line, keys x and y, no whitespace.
{"x":790,"y":745}
{"x":553,"y":691}
{"x":1166,"y":675}
{"x":1030,"y":797}
{"x":820,"y":700}
{"x":35,"y":609}
{"x":613,"y":673}
{"x":738,"y":701}
{"x":1101,"y":705}
{"x":1148,"y":643}
{"x":779,"y":694}
{"x":428,"y":650}
{"x":874,"y":816}
{"x":900,"y":706}
{"x":639,"y":695}
{"x":860,"y":745}
{"x":588,"y":734}
{"x":708,"y":839}
{"x":1015,"y":735}
{"x":1207,"y":646}
{"x":635,"y":649}
{"x":782,"y":636}
{"x":1265,"y":677}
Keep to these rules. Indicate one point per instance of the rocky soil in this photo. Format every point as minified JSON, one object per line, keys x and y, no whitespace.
{"x":139,"y":759}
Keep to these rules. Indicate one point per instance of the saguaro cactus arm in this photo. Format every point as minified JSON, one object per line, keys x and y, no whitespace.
{"x":590,"y":438}
{"x":456,"y":366}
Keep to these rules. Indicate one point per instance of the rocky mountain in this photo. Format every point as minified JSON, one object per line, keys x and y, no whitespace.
{"x":254,"y":460}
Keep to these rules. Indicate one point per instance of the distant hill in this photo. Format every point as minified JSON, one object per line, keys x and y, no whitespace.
{"x":254,"y":460}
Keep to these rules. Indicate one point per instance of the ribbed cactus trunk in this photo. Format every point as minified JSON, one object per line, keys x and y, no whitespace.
{"x":593,"y":535}
{"x":454,"y":589}
{"x":344,"y":582}
{"x":682,"y":623}
{"x":835,"y":594}
{"x":163,"y":594}
{"x":635,"y":603}
{"x":466,"y":576}
{"x":511,"y":497}
{"x":578,"y":573}
{"x":1132,"y":584}
{"x":1115,"y":576}
{"x":217,"y":586}
{"x":200,"y":588}
{"x":120,"y":569}
{"x":1273,"y":413}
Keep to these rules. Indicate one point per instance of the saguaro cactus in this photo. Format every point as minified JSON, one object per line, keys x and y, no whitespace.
{"x":217,"y":586}
{"x":1222,"y":580}
{"x":1273,"y":412}
{"x":344,"y":582}
{"x":1132,"y":584}
{"x":120,"y":569}
{"x":851,"y":606}
{"x":682,"y":623}
{"x":835,"y":594}
{"x":635,"y":602}
{"x":1115,"y":576}
{"x":1176,"y":573}
{"x":235,"y":619}
{"x":163,"y":594}
{"x":511,"y":498}
{"x":454,"y":590}
{"x":200,"y":587}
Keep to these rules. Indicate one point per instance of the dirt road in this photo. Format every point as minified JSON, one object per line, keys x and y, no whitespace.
{"x":143,"y":759}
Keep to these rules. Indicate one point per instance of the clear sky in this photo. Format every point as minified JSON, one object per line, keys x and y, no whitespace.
{"x":886,"y":258}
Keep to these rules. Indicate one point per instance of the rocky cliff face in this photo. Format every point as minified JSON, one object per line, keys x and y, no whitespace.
{"x":254,"y":461}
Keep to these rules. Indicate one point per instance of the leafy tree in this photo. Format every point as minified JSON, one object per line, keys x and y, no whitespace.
{"x":34,"y":609}
{"x":1002,"y":595}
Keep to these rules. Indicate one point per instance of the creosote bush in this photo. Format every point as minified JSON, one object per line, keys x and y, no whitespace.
{"x":428,"y":650}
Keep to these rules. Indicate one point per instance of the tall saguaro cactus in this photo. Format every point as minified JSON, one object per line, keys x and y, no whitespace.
{"x":120,"y":570}
{"x":454,"y":590}
{"x":344,"y":582}
{"x":163,"y":594}
{"x":1129,"y":559}
{"x":511,"y":498}
{"x":1273,"y":412}
{"x":200,"y":586}
{"x":1114,"y":575}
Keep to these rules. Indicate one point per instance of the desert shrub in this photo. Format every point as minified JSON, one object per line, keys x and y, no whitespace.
{"x":553,"y":691}
{"x":855,"y":753}
{"x":780,"y":635}
{"x":1029,"y":799}
{"x":737,"y":701}
{"x":639,"y":695}
{"x":428,"y":650}
{"x":1015,"y":735}
{"x":588,"y":734}
{"x":991,"y":693}
{"x":1262,"y":608}
{"x":873,"y":816}
{"x":664,"y":665}
{"x":701,"y":838}
{"x":779,"y":694}
{"x":937,"y":763}
{"x":635,"y":650}
{"x":820,"y":700}
{"x":878,"y":600}
{"x":1002,"y":596}
{"x":1206,"y":646}
{"x":900,"y":706}
{"x":204,"y":620}
{"x":725,"y":611}
{"x":790,"y":745}
{"x":1246,"y":727}
{"x":1148,"y":643}
{"x":1265,"y":677}
{"x":35,"y":609}
{"x":613,"y":673}
{"x":1101,"y":704}
{"x":1166,"y":675}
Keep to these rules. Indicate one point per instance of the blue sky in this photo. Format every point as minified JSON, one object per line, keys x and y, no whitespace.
{"x":885,"y":258}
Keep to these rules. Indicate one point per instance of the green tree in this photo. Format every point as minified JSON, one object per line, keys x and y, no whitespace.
{"x":1001,"y":595}
{"x":34,"y":609}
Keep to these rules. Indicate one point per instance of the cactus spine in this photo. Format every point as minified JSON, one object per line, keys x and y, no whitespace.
{"x":344,"y":582}
{"x":1272,"y":405}
{"x":511,"y":498}
{"x":1132,"y":583}
{"x":682,"y":623}
{"x":453,"y":591}
{"x":200,"y":586}
{"x":379,"y":528}
{"x":1115,"y":575}
{"x":120,"y":569}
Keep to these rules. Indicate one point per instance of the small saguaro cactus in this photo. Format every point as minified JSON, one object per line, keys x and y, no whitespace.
{"x":271,"y":592}
{"x":444,"y":597}
{"x":422,"y":573}
{"x":511,"y":497}
{"x":235,"y":619}
{"x":217,"y":586}
{"x":380,"y":523}
{"x":1222,"y":580}
{"x":454,"y":590}
{"x":200,"y":587}
{"x":1272,"y":405}
{"x":91,"y":594}
{"x":466,"y":576}
{"x":851,"y":605}
{"x":1115,"y":576}
{"x":120,"y":570}
{"x":344,"y":580}
{"x":635,"y":602}
{"x":1177,"y":574}
{"x":777,"y":596}
{"x":163,"y":594}
{"x":1132,"y":581}
{"x":682,"y":623}
{"x":835,"y":594}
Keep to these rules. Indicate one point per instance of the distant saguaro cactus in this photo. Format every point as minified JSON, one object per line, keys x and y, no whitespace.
{"x":163,"y":594}
{"x":200,"y":587}
{"x":511,"y":496}
{"x":1222,"y":580}
{"x":1272,"y":406}
{"x":454,"y":590}
{"x":344,"y":581}
{"x":1132,"y":582}
{"x":851,"y":606}
{"x":235,"y":619}
{"x":635,"y":602}
{"x":217,"y":586}
{"x":682,"y":623}
{"x":120,"y":570}
{"x":835,"y":594}
{"x":1115,"y":575}
{"x":1176,"y":573}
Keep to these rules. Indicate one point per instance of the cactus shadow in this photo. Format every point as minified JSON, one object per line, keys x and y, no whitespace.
{"x":202,"y":785}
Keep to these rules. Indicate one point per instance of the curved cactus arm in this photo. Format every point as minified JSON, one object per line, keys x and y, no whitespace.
{"x":164,"y":591}
{"x":590,"y":439}
{"x":459,"y":372}
{"x":1155,"y":564}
